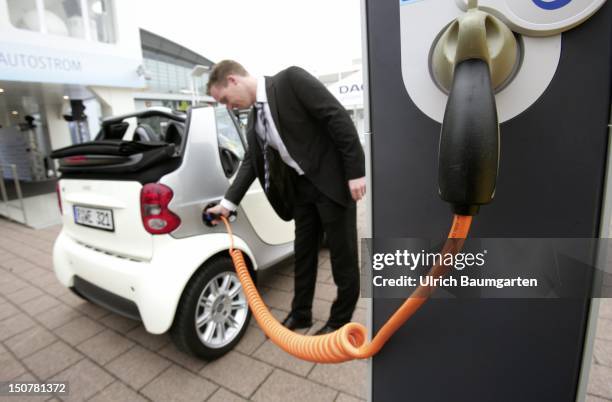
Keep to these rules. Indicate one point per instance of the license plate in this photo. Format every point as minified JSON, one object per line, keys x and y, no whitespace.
{"x":94,"y":217}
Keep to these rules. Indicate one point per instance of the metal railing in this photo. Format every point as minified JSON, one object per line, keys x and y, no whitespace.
{"x":4,"y":194}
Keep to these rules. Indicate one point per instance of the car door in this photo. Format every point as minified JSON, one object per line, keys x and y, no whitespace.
{"x":268,"y":226}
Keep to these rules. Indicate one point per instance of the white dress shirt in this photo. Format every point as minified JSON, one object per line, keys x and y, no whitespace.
{"x":274,"y":139}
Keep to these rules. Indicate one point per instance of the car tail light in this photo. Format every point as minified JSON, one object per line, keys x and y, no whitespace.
{"x":156,"y":217}
{"x":59,"y":197}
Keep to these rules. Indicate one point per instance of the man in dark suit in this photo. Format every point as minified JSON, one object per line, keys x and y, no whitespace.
{"x":305,"y":151}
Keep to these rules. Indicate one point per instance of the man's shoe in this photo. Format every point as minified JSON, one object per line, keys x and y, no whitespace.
{"x":326,"y":329}
{"x":292,"y":323}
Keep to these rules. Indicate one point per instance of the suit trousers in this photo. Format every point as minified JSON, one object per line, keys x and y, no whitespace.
{"x":315,"y":214}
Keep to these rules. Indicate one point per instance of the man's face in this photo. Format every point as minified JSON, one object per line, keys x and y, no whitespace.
{"x":234,"y":95}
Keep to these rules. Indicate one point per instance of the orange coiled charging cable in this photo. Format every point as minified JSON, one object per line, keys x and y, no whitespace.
{"x":350,"y":341}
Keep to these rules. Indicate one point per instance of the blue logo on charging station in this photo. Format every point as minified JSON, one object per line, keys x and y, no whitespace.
{"x":551,"y":4}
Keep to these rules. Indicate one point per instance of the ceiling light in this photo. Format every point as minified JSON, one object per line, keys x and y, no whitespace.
{"x":14,"y":113}
{"x":1,"y":90}
{"x":66,"y":97}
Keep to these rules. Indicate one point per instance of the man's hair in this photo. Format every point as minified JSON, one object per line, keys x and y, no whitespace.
{"x":219,"y":73}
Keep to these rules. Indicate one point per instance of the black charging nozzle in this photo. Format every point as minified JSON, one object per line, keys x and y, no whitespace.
{"x":469,"y":140}
{"x":207,"y":218}
{"x":483,"y":53}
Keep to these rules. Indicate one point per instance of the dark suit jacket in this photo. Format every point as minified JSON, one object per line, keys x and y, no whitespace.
{"x":318,"y":134}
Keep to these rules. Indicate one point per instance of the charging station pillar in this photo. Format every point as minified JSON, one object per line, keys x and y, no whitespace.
{"x":552,"y":183}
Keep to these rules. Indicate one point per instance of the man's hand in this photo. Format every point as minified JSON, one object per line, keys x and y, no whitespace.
{"x":358,"y":188}
{"x":218,"y":210}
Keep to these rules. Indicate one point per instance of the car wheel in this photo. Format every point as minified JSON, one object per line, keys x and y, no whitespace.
{"x":213,"y":312}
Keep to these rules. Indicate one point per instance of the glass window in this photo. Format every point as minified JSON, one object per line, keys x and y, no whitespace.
{"x":200,"y":87}
{"x":101,"y":20}
{"x":205,"y":79}
{"x":24,"y":136}
{"x":23,"y":14}
{"x":183,"y":81}
{"x":173,"y":77}
{"x":162,"y":68}
{"x":231,"y":148}
{"x":64,"y":17}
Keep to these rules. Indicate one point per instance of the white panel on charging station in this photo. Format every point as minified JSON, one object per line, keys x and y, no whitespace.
{"x":539,"y":22}
{"x":539,"y":17}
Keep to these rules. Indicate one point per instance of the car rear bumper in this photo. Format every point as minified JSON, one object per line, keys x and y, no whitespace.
{"x":104,"y":298}
{"x":154,"y":287}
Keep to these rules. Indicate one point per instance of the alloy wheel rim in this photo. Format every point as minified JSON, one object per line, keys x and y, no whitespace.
{"x":221,"y":310}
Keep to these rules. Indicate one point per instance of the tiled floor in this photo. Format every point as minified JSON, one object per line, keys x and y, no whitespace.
{"x":47,"y":333}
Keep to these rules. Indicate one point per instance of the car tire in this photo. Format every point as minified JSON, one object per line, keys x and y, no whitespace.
{"x":212,"y":315}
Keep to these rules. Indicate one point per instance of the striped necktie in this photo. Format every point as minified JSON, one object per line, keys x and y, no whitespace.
{"x":261,"y":116}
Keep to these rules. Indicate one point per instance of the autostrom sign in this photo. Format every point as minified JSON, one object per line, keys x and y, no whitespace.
{"x":41,"y":63}
{"x":35,"y":64}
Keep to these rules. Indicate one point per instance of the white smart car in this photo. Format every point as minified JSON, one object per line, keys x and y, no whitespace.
{"x":133,"y":239}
